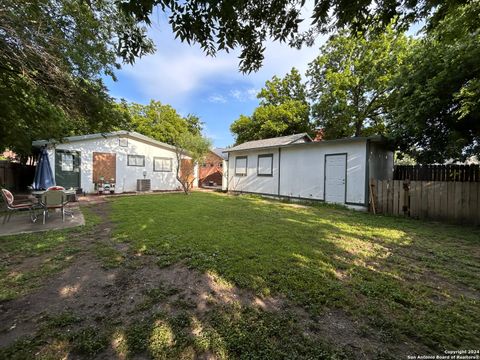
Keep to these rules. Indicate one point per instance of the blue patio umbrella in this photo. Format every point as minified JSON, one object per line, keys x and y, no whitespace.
{"x":43,"y":172}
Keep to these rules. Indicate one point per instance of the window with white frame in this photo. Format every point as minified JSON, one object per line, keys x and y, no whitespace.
{"x":265,"y":165}
{"x":162,"y":164}
{"x":241,"y":165}
{"x":136,"y":160}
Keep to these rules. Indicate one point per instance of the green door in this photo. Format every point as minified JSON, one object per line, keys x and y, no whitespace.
{"x":67,"y":168}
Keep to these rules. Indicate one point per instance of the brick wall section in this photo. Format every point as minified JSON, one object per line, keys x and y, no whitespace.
{"x":211,"y":170}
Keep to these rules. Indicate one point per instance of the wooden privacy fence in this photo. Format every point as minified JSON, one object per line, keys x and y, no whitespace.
{"x":15,"y":176}
{"x":470,"y":173}
{"x":457,"y":202}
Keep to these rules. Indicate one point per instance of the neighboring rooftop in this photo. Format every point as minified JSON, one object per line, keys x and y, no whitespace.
{"x":272,"y":142}
{"x":220,"y":152}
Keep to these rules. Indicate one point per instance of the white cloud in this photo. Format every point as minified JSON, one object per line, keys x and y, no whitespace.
{"x":236,"y":94}
{"x":252,"y":93}
{"x":218,"y":99}
{"x":177,"y":72}
{"x":243,"y":95}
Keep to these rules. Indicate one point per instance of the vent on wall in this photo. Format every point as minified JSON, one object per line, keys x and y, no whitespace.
{"x":143,"y":184}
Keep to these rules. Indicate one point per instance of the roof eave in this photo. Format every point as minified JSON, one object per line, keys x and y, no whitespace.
{"x":373,"y":138}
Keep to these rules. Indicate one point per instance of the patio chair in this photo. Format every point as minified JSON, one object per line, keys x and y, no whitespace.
{"x":53,"y":199}
{"x":56,"y":187}
{"x":12,"y":206}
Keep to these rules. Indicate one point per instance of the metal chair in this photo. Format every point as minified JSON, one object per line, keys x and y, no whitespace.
{"x":53,"y":199}
{"x":11,"y":206}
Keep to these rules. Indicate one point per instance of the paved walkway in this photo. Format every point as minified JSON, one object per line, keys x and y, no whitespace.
{"x":20,"y":222}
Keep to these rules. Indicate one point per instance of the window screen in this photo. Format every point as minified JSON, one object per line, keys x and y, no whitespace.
{"x":265,"y":165}
{"x":162,"y":164}
{"x":136,"y":160}
{"x":241,"y":165}
{"x":67,"y":162}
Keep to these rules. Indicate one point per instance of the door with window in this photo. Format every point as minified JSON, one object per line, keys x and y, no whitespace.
{"x":67,"y":168}
{"x":335,"y":178}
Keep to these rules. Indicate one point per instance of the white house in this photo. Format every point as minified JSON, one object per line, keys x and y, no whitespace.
{"x":336,"y":171}
{"x":121,"y":157}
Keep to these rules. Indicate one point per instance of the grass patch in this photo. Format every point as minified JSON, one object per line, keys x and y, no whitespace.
{"x":26,"y":259}
{"x":409,"y":278}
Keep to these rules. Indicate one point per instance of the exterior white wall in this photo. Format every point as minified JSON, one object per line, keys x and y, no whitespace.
{"x":225,"y":175}
{"x":126,"y":176}
{"x":302,"y":169}
{"x":252,"y":182}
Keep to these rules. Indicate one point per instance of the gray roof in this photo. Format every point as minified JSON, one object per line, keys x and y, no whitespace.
{"x":124,"y":133}
{"x":282,"y":142}
{"x":272,"y":142}
{"x":220,"y":152}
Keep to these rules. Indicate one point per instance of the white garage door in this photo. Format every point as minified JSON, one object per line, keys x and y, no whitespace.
{"x":335,"y":171}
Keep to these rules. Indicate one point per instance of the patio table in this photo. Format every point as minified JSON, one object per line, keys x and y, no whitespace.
{"x":38,"y":195}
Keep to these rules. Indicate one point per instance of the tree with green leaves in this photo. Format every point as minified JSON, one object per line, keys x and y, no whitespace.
{"x":53,"y":54}
{"x":351,"y":82}
{"x":248,"y":24}
{"x":283,"y":110}
{"x":437,"y":111}
{"x":161,"y":122}
{"x":190,"y":150}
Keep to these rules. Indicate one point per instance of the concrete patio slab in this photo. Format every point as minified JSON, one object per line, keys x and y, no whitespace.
{"x":20,"y":223}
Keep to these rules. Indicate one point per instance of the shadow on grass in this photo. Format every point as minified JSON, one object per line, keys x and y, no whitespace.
{"x":398,"y":281}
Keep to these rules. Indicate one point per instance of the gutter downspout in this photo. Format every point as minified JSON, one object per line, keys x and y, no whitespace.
{"x":367,"y":173}
{"x":228,"y":170}
{"x":279,"y":160}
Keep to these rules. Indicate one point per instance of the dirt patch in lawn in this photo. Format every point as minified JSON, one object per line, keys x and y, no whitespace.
{"x":137,"y":288}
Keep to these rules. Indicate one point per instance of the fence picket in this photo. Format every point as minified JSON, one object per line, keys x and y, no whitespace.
{"x":473,"y":204}
{"x":462,"y":173}
{"x":438,"y":200}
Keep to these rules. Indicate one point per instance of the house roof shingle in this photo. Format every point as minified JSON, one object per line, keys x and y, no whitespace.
{"x":272,"y":142}
{"x":220,"y":152}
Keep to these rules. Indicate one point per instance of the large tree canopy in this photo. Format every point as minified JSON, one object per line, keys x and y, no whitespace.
{"x":352,"y":80}
{"x":437,"y":110}
{"x":162,"y":122}
{"x":52,"y":56}
{"x":247,"y":24}
{"x":283,"y":110}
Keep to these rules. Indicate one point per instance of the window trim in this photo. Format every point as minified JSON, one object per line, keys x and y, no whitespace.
{"x":132,"y":155}
{"x":246,"y":165}
{"x":162,"y":158}
{"x":71,"y":162}
{"x":271,"y":164}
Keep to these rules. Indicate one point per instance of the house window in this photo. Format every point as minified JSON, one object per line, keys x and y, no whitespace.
{"x":162,"y":164}
{"x":123,"y":142}
{"x":241,"y":165}
{"x":67,"y":162}
{"x":265,"y":165}
{"x":136,"y":160}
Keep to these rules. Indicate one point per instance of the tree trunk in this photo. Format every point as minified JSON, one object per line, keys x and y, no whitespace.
{"x":358,"y":128}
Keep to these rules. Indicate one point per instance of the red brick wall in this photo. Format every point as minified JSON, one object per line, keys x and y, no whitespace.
{"x":211,"y":170}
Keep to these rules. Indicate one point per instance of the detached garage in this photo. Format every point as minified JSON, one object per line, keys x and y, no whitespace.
{"x":295,"y":166}
{"x":129,"y":160}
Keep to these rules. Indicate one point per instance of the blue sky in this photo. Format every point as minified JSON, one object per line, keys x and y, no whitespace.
{"x":209,"y":87}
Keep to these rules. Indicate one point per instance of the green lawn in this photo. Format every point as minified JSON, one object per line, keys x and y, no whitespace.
{"x":403,"y":285}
